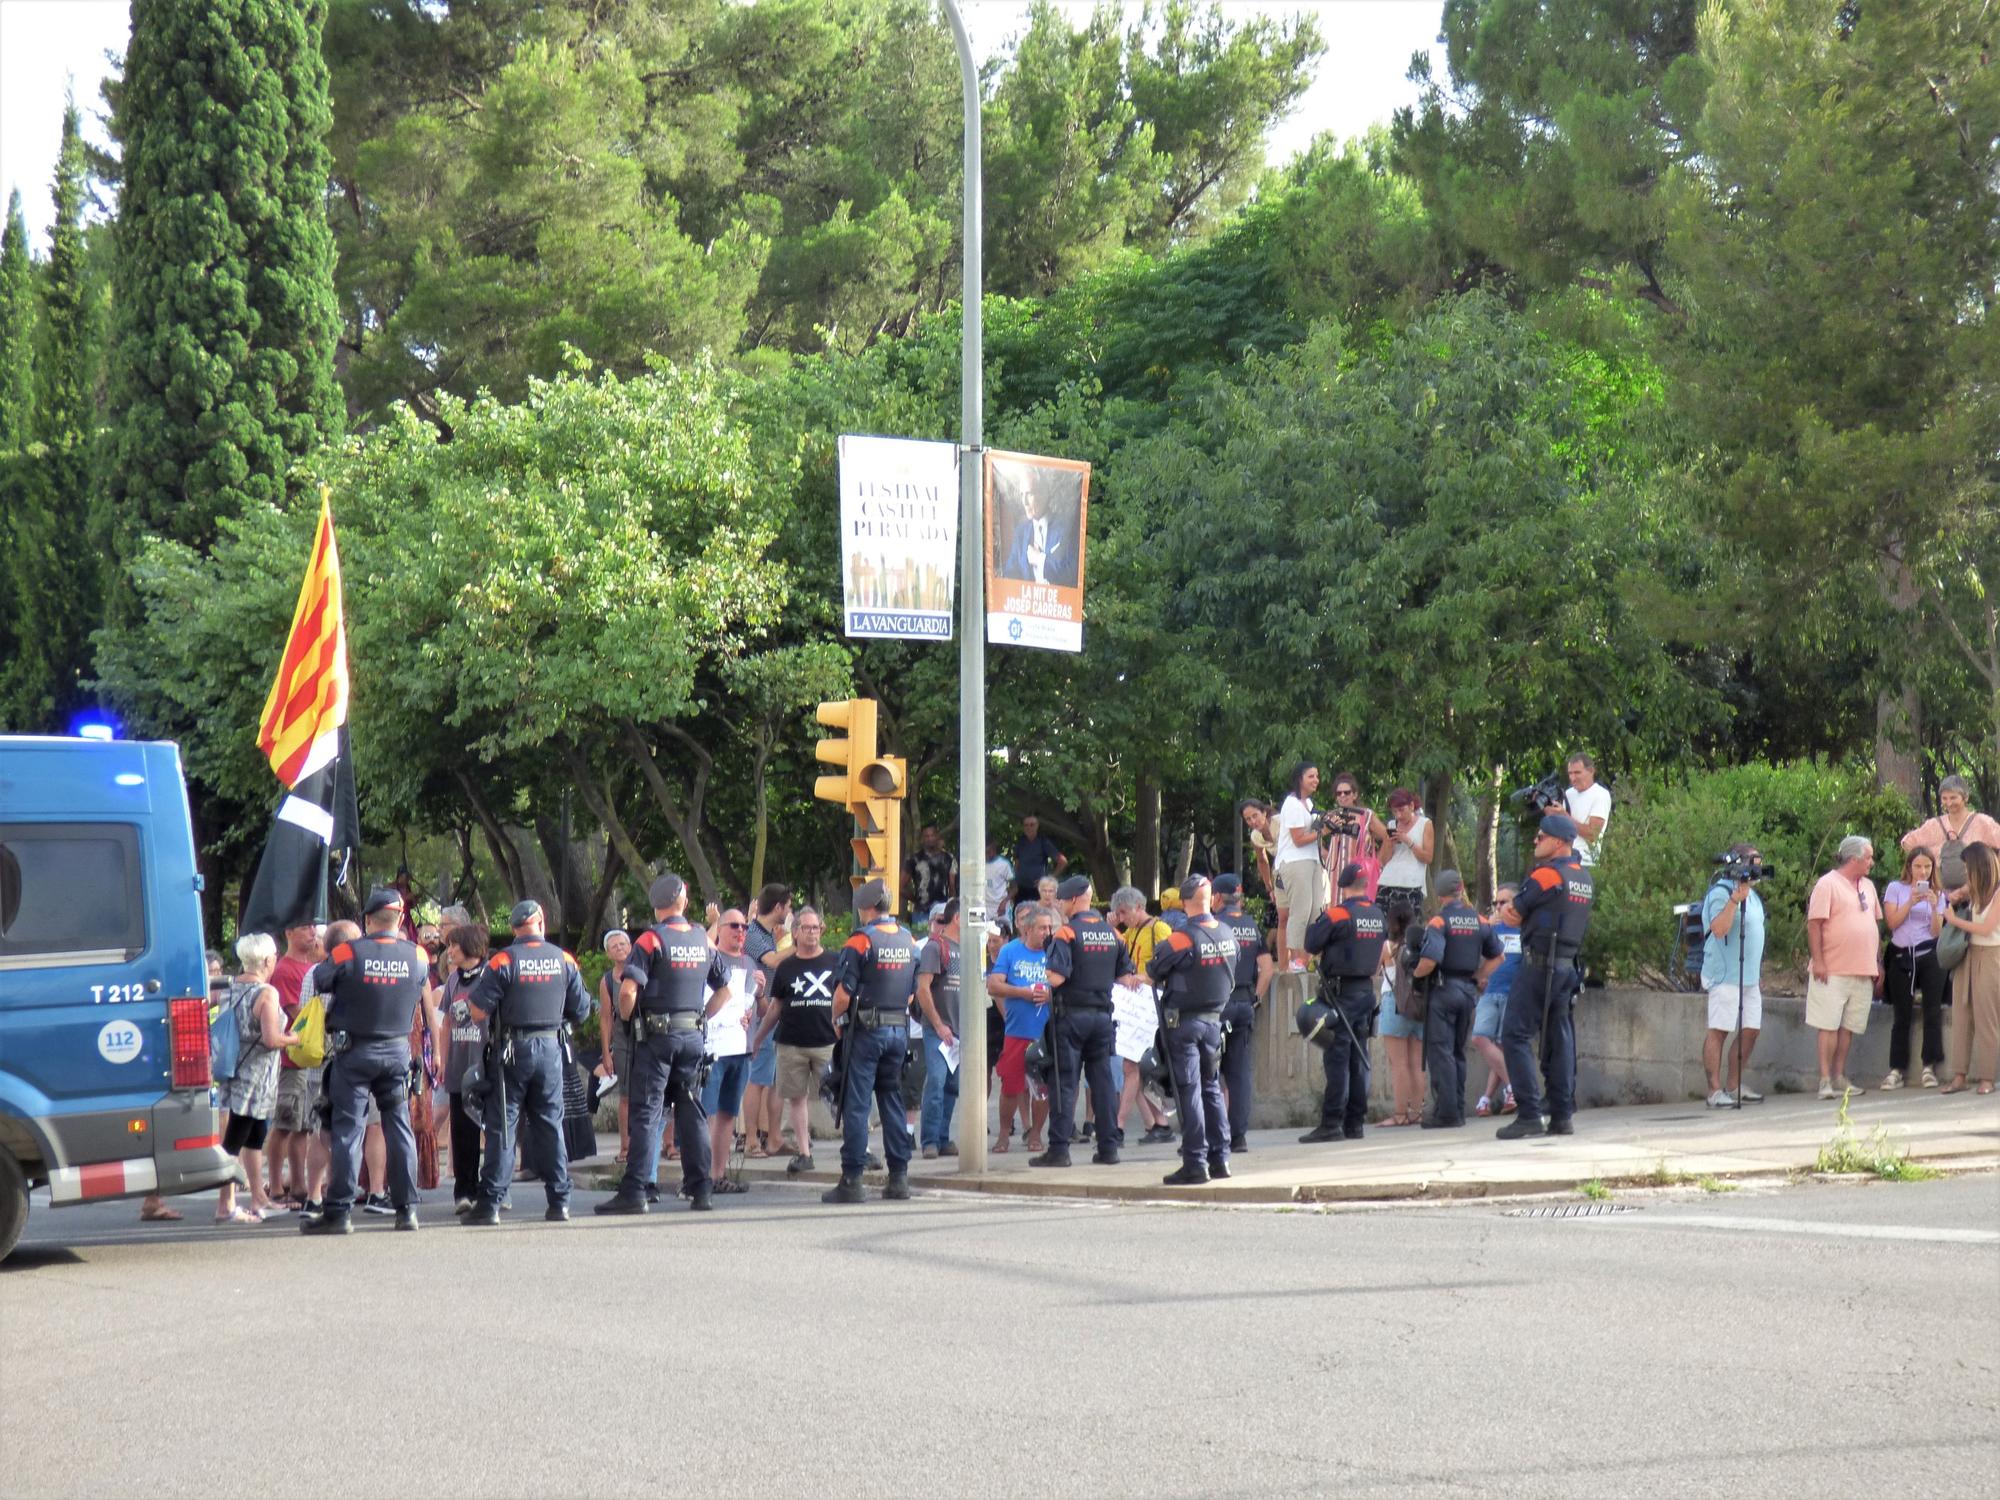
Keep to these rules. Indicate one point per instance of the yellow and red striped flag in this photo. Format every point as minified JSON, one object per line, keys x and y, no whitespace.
{"x":299,"y":731}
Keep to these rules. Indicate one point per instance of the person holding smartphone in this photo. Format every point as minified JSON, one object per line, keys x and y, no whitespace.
{"x":1914,"y":907}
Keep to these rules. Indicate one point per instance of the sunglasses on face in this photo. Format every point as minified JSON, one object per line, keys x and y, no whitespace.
{"x":733,"y":926}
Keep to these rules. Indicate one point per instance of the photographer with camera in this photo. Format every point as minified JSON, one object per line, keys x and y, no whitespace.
{"x":1300,"y":877}
{"x":1732,"y":958}
{"x":1553,"y":911}
{"x":1588,"y":803}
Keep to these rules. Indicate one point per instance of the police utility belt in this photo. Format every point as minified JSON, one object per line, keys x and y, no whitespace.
{"x":529,"y":1030}
{"x":1084,"y":1001}
{"x":660,"y":1022}
{"x":1179,"y":1013}
{"x":899,"y":1017}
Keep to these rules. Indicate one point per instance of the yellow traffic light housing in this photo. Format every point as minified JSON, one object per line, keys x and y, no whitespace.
{"x":870,"y":786}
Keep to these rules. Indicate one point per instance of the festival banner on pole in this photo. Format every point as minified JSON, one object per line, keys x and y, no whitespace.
{"x":899,"y":536}
{"x":1036,"y":509}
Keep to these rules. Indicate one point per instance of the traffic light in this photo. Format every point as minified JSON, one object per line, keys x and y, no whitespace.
{"x":869,"y":786}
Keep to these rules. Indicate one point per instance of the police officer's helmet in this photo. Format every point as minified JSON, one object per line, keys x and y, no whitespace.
{"x":1153,"y":1068}
{"x":1039,"y":1060}
{"x":1317,"y":1022}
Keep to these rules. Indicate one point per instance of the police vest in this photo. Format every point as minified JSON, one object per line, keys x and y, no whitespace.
{"x":1201,"y":983}
{"x":1249,"y":942}
{"x":378,"y":983}
{"x":1555,"y":898}
{"x":885,"y":966}
{"x":1089,"y":954}
{"x":678,"y":965}
{"x":532,"y":975}
{"x":1464,"y":940}
{"x":1359,"y":931}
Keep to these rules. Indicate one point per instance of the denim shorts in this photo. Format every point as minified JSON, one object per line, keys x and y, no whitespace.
{"x":723,"y":1093}
{"x":1491,"y":1011}
{"x":764,"y":1066}
{"x":1392,"y":1023}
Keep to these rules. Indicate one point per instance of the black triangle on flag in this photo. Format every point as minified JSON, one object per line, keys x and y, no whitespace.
{"x":317,"y":819}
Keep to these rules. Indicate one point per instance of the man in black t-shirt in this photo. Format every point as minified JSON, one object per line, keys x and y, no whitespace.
{"x":933,"y":875}
{"x":802,"y":1015}
{"x":1035,"y":856}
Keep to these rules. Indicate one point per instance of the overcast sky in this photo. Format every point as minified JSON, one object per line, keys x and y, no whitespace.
{"x":45,"y":44}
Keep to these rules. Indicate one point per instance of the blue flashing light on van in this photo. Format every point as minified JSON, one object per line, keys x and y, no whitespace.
{"x":105,"y":1088}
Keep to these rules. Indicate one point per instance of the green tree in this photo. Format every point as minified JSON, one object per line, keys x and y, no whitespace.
{"x":17,"y":329}
{"x":222,"y":358}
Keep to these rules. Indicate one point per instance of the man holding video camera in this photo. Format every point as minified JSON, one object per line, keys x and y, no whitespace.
{"x":1553,"y":912}
{"x":1732,"y":958}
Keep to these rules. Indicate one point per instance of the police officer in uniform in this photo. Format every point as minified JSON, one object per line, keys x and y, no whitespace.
{"x":874,"y":980}
{"x":1460,"y":951}
{"x":1086,"y":958}
{"x":660,"y":994}
{"x":528,"y":990}
{"x":375,"y":985}
{"x":1553,"y":911}
{"x":1348,"y":938}
{"x":1239,"y":1016}
{"x":1194,"y":968}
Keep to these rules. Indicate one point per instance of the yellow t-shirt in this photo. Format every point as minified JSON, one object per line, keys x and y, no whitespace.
{"x":1141,"y":941}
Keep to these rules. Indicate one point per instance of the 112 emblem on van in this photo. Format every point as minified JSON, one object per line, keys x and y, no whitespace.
{"x":120,"y":1041}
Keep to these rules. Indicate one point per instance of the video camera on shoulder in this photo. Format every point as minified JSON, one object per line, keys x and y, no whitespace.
{"x":1545,"y":795}
{"x":1735,"y":867}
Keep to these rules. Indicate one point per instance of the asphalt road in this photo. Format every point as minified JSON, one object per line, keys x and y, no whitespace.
{"x":1815,"y":1341}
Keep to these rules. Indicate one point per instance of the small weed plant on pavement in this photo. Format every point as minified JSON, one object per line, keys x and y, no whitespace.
{"x":1877,"y":1156}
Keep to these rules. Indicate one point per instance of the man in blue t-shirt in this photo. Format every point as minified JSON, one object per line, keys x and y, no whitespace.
{"x":1485,"y":1039}
{"x":1018,"y":981}
{"x":1732,"y":959}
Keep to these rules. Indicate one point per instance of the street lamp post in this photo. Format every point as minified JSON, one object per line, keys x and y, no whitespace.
{"x":971,"y":647}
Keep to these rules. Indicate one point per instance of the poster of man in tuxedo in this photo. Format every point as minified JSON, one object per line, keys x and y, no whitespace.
{"x":1036,"y":513}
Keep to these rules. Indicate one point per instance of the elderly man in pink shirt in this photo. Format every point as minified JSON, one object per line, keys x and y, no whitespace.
{"x":1842,"y":920}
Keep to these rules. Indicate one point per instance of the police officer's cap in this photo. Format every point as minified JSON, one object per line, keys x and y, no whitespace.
{"x":1228,"y":885}
{"x":1558,"y":826}
{"x":1448,"y":882}
{"x":523,"y":913}
{"x":383,"y":898}
{"x":665,"y":891}
{"x":1192,"y":884}
{"x":871,"y":895}
{"x":1351,"y":874}
{"x":1070,"y":889}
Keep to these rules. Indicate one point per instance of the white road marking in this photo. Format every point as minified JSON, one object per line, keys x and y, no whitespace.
{"x":1806,"y":1226}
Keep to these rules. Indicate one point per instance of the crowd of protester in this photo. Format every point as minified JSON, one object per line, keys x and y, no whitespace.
{"x":1928,"y":946}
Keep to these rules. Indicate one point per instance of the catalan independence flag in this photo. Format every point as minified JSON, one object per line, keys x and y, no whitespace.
{"x":303,"y":733}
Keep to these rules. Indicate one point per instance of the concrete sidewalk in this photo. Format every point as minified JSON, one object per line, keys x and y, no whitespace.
{"x":1623,"y":1144}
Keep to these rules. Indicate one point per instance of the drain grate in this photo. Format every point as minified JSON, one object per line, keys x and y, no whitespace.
{"x":1571,"y":1211}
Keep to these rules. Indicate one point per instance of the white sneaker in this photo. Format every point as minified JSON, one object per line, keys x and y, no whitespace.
{"x":1749,"y":1096}
{"x":1892,"y":1081}
{"x":1849,"y":1085}
{"x":1930,"y":1078}
{"x":1827,"y":1090}
{"x":1721,"y":1099}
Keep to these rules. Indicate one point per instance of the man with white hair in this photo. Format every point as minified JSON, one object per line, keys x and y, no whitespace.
{"x":1842,"y":919}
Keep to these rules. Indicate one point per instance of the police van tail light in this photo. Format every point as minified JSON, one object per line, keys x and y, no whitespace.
{"x":187,"y":1033}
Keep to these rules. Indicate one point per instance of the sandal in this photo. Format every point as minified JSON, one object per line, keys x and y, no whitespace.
{"x":241,"y":1216}
{"x":1000,"y":1146}
{"x":1956,"y":1086}
{"x":1984,"y":1088}
{"x":726,"y":1185}
{"x":756,"y":1151}
{"x":160,"y":1216}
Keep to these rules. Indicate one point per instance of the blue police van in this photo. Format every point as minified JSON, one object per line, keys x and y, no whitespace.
{"x":105,"y":1086}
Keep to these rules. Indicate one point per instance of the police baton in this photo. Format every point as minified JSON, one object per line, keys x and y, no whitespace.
{"x":1548,"y":1006}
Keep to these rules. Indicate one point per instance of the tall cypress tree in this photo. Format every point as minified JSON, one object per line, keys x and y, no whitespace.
{"x":225,"y":320}
{"x":17,"y":328}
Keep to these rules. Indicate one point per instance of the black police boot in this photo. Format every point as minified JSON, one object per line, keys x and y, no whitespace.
{"x":702,"y":1200}
{"x":1520,"y":1128}
{"x":897,"y":1188}
{"x":1432,"y":1122}
{"x":1055,"y":1156}
{"x":1353,"y":1133}
{"x":483,"y":1216}
{"x":1217,"y":1171}
{"x":328,"y":1223}
{"x":557,"y":1213}
{"x":406,"y":1217}
{"x":1562,"y":1126}
{"x":1320,"y":1133}
{"x":1239,"y":1143}
{"x":618,"y":1203}
{"x":847,"y":1190}
{"x":1105,"y":1156}
{"x":1193,"y":1174}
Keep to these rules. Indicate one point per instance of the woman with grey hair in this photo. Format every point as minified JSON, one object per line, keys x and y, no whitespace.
{"x":1946,"y":835}
{"x":252,"y":1089}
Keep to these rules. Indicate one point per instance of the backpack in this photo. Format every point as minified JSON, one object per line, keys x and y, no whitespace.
{"x":228,"y":1022}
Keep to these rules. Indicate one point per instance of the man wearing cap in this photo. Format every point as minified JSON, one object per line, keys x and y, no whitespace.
{"x":1461,"y":951}
{"x":1086,"y":958}
{"x":1195,"y":968}
{"x":1348,"y":938}
{"x":375,"y":985}
{"x":669,"y":972}
{"x":529,"y":989}
{"x":1552,"y":909}
{"x":1239,"y":1016}
{"x":874,"y":978}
